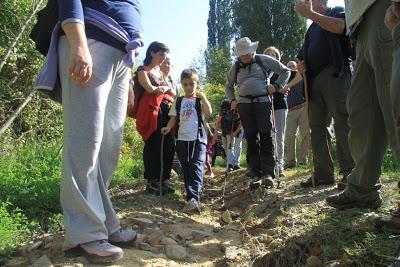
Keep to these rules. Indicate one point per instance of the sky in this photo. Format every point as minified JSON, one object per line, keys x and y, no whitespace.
{"x":182,"y":26}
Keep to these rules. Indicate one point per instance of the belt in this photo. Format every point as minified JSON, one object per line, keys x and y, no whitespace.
{"x":297,"y":107}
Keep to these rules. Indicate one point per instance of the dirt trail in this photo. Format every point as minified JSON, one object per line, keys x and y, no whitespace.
{"x":265,"y":227}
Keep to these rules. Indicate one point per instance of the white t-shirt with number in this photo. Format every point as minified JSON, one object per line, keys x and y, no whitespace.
{"x":188,"y":121}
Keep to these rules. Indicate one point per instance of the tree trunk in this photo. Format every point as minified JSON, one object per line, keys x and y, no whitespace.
{"x":36,"y":6}
{"x":16,"y":112}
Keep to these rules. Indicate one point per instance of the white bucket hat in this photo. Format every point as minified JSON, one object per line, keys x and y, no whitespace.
{"x":245,"y":46}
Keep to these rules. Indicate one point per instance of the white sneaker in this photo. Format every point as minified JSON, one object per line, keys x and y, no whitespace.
{"x":100,"y":251}
{"x":192,"y":206}
{"x":122,"y":236}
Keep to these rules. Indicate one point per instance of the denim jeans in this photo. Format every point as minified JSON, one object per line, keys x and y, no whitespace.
{"x":192,"y":155}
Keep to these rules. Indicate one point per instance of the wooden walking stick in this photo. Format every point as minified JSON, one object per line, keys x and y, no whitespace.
{"x":306,"y":110}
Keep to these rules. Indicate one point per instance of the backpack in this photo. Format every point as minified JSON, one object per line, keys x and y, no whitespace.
{"x":135,"y":95}
{"x":47,"y":19}
{"x":229,"y":122}
{"x":239,"y":65}
{"x":200,"y":122}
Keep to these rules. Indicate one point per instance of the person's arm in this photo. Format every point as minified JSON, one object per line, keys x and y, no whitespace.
{"x":229,"y":90}
{"x":278,"y":68}
{"x":332,"y":24}
{"x":146,"y":84}
{"x":237,"y":130}
{"x":72,"y":22}
{"x":205,"y":104}
{"x":171,"y":123}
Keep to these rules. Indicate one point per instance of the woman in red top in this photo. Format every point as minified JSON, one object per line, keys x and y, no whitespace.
{"x":152,"y":115}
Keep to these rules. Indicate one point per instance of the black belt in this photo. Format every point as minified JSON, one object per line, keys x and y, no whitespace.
{"x":251,"y":97}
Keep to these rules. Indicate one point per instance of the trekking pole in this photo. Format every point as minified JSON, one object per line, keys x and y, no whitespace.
{"x":306,"y":110}
{"x":278,"y":180}
{"x":229,"y":144}
{"x":161,"y":171}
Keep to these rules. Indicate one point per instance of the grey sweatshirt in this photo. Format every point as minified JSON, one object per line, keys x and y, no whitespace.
{"x":251,"y":79}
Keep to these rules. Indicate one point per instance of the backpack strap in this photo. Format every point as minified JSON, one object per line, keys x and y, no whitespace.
{"x":266,"y":71}
{"x":258,"y":60}
{"x":178,"y":105}
{"x":199,"y":117}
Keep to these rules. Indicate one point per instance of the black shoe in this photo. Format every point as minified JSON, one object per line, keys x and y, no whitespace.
{"x":344,"y":200}
{"x":236,"y":167}
{"x":154,"y":188}
{"x":318,"y":181}
{"x":268,"y":181}
{"x":342,"y":184}
{"x":290,"y":165}
{"x":252,"y":174}
{"x":255,"y":183}
{"x":168,"y":186}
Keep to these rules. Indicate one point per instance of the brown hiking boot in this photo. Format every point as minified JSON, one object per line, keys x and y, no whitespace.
{"x":346,"y":200}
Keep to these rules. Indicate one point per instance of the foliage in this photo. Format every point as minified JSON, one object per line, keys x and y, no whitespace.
{"x":41,"y":117}
{"x":218,"y":64}
{"x":13,"y":228}
{"x":30,"y":178}
{"x":217,"y":56}
{"x":219,"y":24}
{"x":215,"y":94}
{"x":272,"y":23}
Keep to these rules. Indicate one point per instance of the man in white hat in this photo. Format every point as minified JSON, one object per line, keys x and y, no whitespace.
{"x":254,"y":105}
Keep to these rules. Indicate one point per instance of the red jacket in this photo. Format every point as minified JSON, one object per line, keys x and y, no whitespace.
{"x":146,"y":119}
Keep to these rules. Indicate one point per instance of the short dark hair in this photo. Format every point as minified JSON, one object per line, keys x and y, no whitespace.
{"x":154,"y":47}
{"x":190,"y":74}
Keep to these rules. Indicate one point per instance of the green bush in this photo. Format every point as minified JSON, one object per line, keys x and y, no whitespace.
{"x":30,"y":178}
{"x":13,"y":228}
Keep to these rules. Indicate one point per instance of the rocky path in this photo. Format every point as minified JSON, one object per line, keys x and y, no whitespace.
{"x":265,"y":227}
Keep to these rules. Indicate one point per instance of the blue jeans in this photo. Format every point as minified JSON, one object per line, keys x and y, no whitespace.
{"x":192,"y":155}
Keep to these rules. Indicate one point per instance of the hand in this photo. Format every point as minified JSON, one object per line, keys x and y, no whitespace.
{"x":304,"y":9}
{"x":200,"y":95}
{"x":165,"y":130}
{"x":158,"y":91}
{"x":271,"y":89}
{"x":285,"y":91}
{"x":80,"y":64}
{"x":392,"y":16}
{"x":301,"y":67}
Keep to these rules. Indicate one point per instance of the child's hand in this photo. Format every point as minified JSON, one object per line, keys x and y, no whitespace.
{"x":165,"y":130}
{"x":200,"y":95}
{"x":271,"y":89}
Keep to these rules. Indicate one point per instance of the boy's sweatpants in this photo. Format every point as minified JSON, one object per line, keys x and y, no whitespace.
{"x":93,"y":117}
{"x":192,"y":155}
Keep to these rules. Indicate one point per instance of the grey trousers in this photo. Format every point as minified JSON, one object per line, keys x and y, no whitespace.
{"x":280,"y":127}
{"x":328,"y":100}
{"x":395,"y":83}
{"x":297,"y":119}
{"x":93,"y":117}
{"x":369,"y":101}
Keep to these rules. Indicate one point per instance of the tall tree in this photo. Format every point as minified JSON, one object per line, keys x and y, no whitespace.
{"x":217,"y":56}
{"x":271,"y":22}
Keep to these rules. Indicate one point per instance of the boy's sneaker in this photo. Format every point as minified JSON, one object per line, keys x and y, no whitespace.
{"x":192,"y":206}
{"x":101,"y":251}
{"x":236,"y":167}
{"x":230,"y":168}
{"x":123,"y":237}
